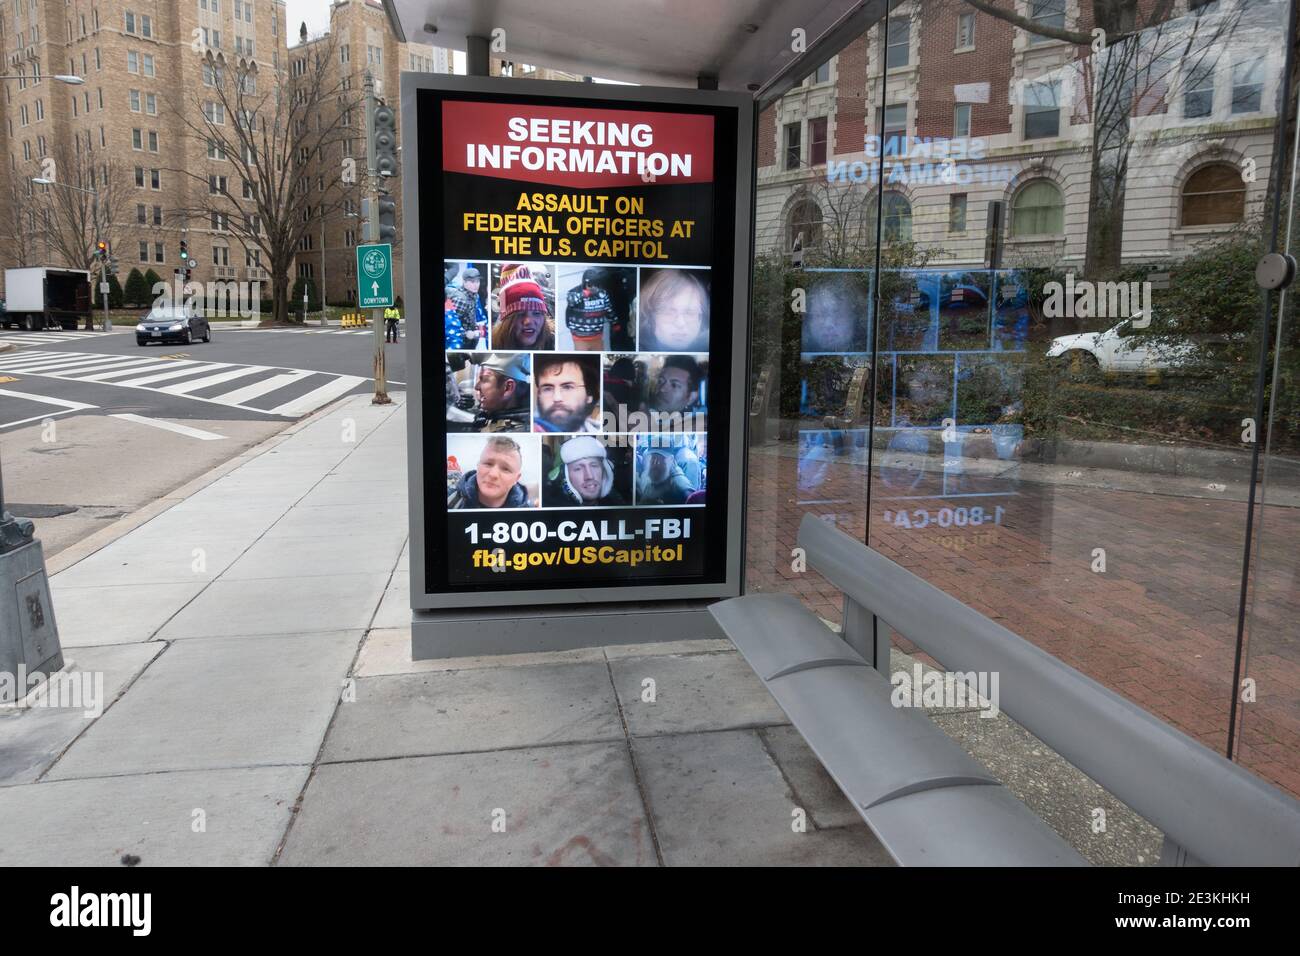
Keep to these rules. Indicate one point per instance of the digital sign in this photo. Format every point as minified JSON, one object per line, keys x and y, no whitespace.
{"x":582,"y":309}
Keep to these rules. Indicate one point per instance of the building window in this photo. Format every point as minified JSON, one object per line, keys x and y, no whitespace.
{"x":793,"y":145}
{"x":139,"y":177}
{"x":957,"y":212}
{"x":137,"y":139}
{"x":132,"y":61}
{"x":153,"y":141}
{"x":820,"y":75}
{"x":1038,"y":210}
{"x":1042,"y":110}
{"x":1214,"y":195}
{"x":894,"y":119}
{"x":216,"y":184}
{"x":965,"y":31}
{"x":157,"y":215}
{"x":140,"y":214}
{"x":216,"y":150}
{"x":899,"y":36}
{"x":155,"y":179}
{"x":158,"y":252}
{"x":349,"y":237}
{"x":1198,"y":95}
{"x":148,"y":64}
{"x":1247,"y":85}
{"x":1046,"y":13}
{"x":146,"y":26}
{"x":803,"y":226}
{"x":144,"y":252}
{"x":151,"y":104}
{"x":817,"y":141}
{"x":961,"y":120}
{"x":214,"y":113}
{"x":130,"y":22}
{"x":221,"y":255}
{"x":897,"y":226}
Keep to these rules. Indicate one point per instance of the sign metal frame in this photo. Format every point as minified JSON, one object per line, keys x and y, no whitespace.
{"x":424,"y":303}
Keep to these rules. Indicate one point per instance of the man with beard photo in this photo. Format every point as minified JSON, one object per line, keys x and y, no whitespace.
{"x":568,"y":390}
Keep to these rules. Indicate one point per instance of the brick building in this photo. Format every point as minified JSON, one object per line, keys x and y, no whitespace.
{"x":142,"y":64}
{"x":361,"y":41}
{"x":955,"y":109}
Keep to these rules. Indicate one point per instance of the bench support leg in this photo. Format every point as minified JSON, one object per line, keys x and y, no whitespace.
{"x":872,"y":642}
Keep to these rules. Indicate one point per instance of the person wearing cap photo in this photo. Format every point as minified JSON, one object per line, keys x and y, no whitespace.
{"x":584,"y":475}
{"x":494,"y":483}
{"x":464,"y":317}
{"x":502,"y":394}
{"x":568,"y":390}
{"x":662,"y":481}
{"x":524,"y":321}
{"x":588,"y":311}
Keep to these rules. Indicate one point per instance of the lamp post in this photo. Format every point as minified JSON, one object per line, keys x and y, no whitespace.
{"x":94,"y":216}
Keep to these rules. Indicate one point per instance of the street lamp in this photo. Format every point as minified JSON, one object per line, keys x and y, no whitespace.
{"x":94,"y":215}
{"x":68,"y":78}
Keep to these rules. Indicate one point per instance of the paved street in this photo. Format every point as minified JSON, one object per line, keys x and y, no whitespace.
{"x":92,"y":426}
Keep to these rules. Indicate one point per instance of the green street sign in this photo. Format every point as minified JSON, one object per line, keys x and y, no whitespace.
{"x":375,"y":276}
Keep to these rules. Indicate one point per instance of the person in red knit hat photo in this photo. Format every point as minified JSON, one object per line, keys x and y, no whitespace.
{"x":525,"y":304}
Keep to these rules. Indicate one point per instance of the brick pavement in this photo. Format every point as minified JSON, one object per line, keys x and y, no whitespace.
{"x":1158,"y":626}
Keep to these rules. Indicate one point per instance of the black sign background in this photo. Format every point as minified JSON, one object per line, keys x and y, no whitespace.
{"x":447,"y":545}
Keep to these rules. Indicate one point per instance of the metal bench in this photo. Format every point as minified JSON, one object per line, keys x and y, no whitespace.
{"x":923,"y":796}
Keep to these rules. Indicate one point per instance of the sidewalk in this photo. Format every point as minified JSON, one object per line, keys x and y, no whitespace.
{"x":261,"y":707}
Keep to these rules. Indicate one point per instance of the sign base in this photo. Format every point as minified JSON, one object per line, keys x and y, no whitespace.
{"x":470,"y":633}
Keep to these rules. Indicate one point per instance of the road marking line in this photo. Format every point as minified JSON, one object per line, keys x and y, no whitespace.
{"x":191,"y":368}
{"x":195,"y":384}
{"x":249,"y":392}
{"x":170,"y":426}
{"x":42,"y":364}
{"x":135,"y":368}
{"x":318,"y":397}
{"x":68,"y":406}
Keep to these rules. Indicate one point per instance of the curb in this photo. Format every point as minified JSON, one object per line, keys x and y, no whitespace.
{"x":125,"y":525}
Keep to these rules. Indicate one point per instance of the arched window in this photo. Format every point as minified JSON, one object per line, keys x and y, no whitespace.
{"x":1214,"y":195}
{"x":803,"y":229}
{"x":898,"y":218}
{"x":1038,"y":210}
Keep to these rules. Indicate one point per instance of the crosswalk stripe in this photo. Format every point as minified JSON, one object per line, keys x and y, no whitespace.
{"x":41,"y":365}
{"x":319,"y":396}
{"x":190,"y":369}
{"x":195,"y":384}
{"x":249,"y":392}
{"x":119,"y":369}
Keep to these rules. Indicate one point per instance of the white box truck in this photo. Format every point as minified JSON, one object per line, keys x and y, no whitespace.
{"x":42,"y":298}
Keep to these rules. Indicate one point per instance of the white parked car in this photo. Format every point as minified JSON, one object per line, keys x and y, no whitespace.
{"x":1121,"y":349}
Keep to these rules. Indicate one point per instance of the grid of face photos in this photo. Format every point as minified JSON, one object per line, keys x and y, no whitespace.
{"x":576,"y":385}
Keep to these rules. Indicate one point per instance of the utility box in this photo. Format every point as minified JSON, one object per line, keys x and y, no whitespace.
{"x":29,"y":641}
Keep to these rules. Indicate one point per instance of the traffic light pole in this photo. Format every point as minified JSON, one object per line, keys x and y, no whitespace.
{"x":372,"y":229}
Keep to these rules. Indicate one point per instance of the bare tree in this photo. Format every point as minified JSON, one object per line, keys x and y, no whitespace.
{"x":20,"y":222}
{"x":1137,"y":65}
{"x":282,"y":133}
{"x":82,"y":205}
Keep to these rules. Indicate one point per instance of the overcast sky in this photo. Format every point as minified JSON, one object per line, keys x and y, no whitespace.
{"x":316,"y":13}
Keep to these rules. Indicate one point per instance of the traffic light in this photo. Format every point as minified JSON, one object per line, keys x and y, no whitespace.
{"x":387,"y":219}
{"x":383,"y":126}
{"x":112,"y":265}
{"x":185,"y":252}
{"x":101,"y":250}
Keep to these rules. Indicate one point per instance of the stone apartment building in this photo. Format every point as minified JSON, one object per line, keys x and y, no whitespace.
{"x":360,"y":40}
{"x":142,"y":63}
{"x":1012,"y":112}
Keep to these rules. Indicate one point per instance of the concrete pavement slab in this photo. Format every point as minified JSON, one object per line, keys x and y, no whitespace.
{"x":692,"y":693}
{"x":459,"y":711}
{"x":243,"y":813}
{"x":560,"y":806}
{"x":143,"y":558}
{"x":1065,"y":797}
{"x":284,"y":605}
{"x":374,"y":516}
{"x":617,"y":652}
{"x":220,"y":703}
{"x":31,"y":739}
{"x":388,"y":651}
{"x":717,"y":799}
{"x":395,"y":608}
{"x":347,"y":490}
{"x":116,"y":615}
{"x":816,"y":791}
{"x":313,"y":557}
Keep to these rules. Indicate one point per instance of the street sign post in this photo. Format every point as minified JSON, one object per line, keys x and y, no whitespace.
{"x":375,"y":276}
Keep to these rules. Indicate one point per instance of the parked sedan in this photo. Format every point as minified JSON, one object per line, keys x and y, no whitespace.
{"x":171,"y":324}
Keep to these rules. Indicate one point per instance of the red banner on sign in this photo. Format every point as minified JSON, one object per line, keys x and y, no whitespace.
{"x":580,"y":148}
